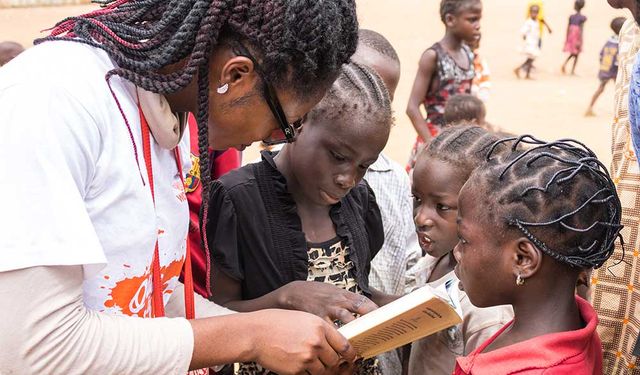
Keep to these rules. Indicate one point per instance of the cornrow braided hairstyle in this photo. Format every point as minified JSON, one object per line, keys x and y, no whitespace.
{"x":357,"y":93}
{"x":300,"y":44}
{"x":454,"y":7}
{"x":558,"y":194}
{"x":464,"y":147}
{"x":378,"y":43}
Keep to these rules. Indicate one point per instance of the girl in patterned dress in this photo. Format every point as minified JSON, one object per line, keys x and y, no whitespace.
{"x":298,"y":229}
{"x":573,"y":43}
{"x":445,"y":69}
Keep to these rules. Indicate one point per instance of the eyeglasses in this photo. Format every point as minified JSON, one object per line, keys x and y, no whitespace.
{"x":288,"y":131}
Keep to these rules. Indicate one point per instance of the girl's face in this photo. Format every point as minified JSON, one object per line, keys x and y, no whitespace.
{"x":533,"y":12}
{"x":330,"y":157}
{"x":466,"y":23}
{"x":484,"y":268}
{"x":436,"y":185}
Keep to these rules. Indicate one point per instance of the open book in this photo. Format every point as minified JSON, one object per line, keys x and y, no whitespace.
{"x":416,"y":315}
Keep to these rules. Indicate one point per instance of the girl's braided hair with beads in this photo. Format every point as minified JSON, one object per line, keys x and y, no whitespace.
{"x":300,"y":44}
{"x":558,"y":194}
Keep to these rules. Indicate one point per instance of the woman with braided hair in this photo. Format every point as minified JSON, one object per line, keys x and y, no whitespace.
{"x":529,"y":221}
{"x":95,"y":234}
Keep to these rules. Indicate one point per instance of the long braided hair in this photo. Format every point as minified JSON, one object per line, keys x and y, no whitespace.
{"x":558,"y":194}
{"x":300,"y":45}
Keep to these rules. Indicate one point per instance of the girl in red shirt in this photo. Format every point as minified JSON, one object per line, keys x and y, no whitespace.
{"x":529,"y":221}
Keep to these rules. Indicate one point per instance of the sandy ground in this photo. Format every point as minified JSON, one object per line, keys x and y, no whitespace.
{"x":550,"y":107}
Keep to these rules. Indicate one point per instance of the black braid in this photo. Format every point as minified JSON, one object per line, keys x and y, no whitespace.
{"x":300,"y":44}
{"x":463,"y":146}
{"x":558,"y":194}
{"x":454,"y":7}
{"x":358,"y":92}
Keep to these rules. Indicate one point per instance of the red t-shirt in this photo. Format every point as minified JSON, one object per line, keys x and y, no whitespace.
{"x":563,"y":353}
{"x":221,"y":163}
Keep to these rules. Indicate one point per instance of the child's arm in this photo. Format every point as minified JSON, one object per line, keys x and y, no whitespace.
{"x":544,"y":22}
{"x":426,"y":69}
{"x":324,"y":300}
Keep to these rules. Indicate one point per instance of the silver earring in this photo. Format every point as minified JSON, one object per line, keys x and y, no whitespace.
{"x":223,"y":89}
{"x":519,"y":281}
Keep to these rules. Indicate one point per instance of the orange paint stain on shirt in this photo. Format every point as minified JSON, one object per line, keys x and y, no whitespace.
{"x":133,"y":295}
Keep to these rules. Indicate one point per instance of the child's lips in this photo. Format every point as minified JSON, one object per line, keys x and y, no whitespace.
{"x":424,"y":240}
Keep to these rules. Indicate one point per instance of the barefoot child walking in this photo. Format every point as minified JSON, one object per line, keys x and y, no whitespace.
{"x":531,"y":35}
{"x":445,"y":69}
{"x":574,"y":39}
{"x":608,"y":62}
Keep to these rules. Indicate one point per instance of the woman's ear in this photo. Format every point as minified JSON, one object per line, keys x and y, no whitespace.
{"x":527,"y":259}
{"x":238,"y":72}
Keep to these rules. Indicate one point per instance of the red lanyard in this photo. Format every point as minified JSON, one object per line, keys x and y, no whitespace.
{"x":156,"y":276}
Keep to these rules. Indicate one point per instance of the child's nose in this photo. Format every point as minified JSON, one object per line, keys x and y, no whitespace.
{"x":346,"y":181}
{"x":422,"y":218}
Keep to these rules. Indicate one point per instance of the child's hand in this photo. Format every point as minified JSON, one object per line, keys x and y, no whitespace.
{"x":324,"y":300}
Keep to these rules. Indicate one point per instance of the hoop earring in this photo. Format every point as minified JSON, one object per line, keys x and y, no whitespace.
{"x":519,"y":281}
{"x":223,"y":89}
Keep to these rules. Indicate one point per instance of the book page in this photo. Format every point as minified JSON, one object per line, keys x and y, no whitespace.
{"x":416,"y":315}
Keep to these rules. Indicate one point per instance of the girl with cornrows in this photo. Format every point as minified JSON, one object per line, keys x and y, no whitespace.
{"x":298,"y":230}
{"x":94,"y":233}
{"x":530,"y":220}
{"x":444,"y":70}
{"x":441,"y":171}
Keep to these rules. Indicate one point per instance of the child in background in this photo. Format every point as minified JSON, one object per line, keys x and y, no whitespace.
{"x":441,"y":170}
{"x":9,"y":50}
{"x":481,"y":84}
{"x":608,"y":62}
{"x":542,"y":23}
{"x":530,"y":220}
{"x":445,"y":69}
{"x":392,"y":188}
{"x":299,"y":229}
{"x":531,"y":35}
{"x":465,"y":108}
{"x":573,"y":42}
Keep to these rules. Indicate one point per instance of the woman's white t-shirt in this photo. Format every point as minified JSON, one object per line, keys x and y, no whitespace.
{"x":72,"y":191}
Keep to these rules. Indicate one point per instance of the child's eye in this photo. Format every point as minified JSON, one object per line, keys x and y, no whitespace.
{"x":416,"y":198}
{"x":442,"y":207}
{"x":337,"y":156}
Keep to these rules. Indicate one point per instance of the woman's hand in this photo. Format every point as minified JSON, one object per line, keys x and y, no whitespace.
{"x":293,"y":342}
{"x":324,"y":300}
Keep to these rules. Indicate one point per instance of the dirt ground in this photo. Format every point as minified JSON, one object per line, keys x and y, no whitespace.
{"x":551,"y":106}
